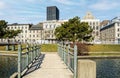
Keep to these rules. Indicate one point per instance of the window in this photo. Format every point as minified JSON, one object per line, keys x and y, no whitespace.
{"x":25,"y":31}
{"x":118,"y":29}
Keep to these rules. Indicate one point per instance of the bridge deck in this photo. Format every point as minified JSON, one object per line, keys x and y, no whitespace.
{"x":52,"y":67}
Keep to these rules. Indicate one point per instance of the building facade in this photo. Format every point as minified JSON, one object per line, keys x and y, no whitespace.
{"x":52,"y":13}
{"x":49,"y":29}
{"x":110,"y":33}
{"x":95,"y":25}
{"x":30,"y":33}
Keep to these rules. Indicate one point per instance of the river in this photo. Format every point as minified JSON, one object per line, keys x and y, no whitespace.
{"x":8,"y":65}
{"x":106,"y":68}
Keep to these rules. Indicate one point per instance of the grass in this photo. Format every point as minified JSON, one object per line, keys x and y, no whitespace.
{"x":49,"y":47}
{"x":92,"y":48}
{"x":104,"y":48}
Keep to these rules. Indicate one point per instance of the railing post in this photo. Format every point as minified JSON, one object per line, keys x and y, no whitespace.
{"x":19,"y":60}
{"x":64,"y":53}
{"x":68,"y":56}
{"x":75,"y":61}
{"x":27,"y":61}
{"x":13,"y":47}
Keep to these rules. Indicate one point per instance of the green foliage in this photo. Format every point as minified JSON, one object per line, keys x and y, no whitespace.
{"x":74,"y":30}
{"x":6,"y":33}
{"x":3,"y":26}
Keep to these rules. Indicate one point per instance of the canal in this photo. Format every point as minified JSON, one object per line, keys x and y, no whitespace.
{"x":8,"y":65}
{"x":106,"y":68}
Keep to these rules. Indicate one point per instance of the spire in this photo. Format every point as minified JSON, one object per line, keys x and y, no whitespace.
{"x":89,"y":16}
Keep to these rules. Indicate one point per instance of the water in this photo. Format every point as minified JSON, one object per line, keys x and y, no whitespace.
{"x":108,"y":68}
{"x":8,"y":65}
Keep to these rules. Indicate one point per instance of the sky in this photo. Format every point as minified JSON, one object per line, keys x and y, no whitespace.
{"x":34,"y":11}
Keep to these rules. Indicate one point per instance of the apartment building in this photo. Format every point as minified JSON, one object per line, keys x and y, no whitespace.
{"x":29,"y":33}
{"x":49,"y":29}
{"x":110,"y":33}
{"x":95,"y":25}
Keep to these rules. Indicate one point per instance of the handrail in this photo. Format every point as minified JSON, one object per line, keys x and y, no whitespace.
{"x":25,"y":59}
{"x":69,"y":56}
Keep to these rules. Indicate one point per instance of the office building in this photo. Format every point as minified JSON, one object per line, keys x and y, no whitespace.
{"x":52,"y":13}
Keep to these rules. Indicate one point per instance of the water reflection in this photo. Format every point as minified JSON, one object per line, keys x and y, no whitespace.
{"x":108,"y":68}
{"x":8,"y":65}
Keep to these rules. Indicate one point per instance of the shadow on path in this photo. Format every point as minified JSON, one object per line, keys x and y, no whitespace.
{"x":36,"y":64}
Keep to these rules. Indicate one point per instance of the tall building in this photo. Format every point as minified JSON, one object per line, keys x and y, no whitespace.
{"x":110,"y":33}
{"x":52,"y":13}
{"x":95,"y":25}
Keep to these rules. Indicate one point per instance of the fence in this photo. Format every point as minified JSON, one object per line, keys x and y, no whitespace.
{"x":69,"y":56}
{"x":27,"y":56}
{"x":104,"y":66}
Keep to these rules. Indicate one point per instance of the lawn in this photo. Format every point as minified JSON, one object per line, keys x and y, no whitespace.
{"x":104,"y":48}
{"x":49,"y":47}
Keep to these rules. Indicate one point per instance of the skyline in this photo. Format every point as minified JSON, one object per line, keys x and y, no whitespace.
{"x":34,"y":11}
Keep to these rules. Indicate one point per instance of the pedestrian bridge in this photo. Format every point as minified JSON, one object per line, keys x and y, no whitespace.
{"x":51,"y":67}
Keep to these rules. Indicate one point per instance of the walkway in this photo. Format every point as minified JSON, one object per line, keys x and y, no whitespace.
{"x":52,"y":67}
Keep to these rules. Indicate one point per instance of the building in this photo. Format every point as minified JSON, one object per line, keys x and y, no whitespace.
{"x":49,"y":29}
{"x":52,"y":13}
{"x":104,"y":23}
{"x":110,"y":33}
{"x":95,"y":25}
{"x":30,"y":33}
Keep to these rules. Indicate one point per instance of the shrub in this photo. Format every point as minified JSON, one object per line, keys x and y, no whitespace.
{"x":82,"y":48}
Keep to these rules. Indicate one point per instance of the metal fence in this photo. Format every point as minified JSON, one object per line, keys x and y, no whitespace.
{"x":69,"y":56}
{"x":108,"y":64}
{"x":27,"y":56}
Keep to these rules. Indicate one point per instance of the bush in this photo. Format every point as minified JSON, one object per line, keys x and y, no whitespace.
{"x":82,"y":48}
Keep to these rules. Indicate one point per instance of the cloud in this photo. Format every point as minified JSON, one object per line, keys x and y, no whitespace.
{"x":2,"y":5}
{"x":66,"y":2}
{"x":33,"y":0}
{"x":104,"y":5}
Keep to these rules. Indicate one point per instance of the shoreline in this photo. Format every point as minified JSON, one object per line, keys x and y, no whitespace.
{"x":8,"y":53}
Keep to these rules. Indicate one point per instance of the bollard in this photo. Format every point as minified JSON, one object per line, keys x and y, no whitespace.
{"x":86,"y":69}
{"x":7,"y":47}
{"x":13,"y":47}
{"x":19,"y":61}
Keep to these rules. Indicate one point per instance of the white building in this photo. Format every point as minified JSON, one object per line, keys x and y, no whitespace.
{"x":49,"y":29}
{"x":30,"y":33}
{"x":110,"y":34}
{"x":95,"y":25}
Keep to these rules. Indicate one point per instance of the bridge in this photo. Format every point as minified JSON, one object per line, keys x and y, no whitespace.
{"x":62,"y":64}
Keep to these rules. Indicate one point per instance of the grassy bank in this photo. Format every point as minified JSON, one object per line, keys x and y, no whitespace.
{"x":104,"y":48}
{"x":92,"y":48}
{"x":49,"y":47}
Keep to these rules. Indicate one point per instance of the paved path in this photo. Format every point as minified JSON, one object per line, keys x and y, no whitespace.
{"x":52,"y":67}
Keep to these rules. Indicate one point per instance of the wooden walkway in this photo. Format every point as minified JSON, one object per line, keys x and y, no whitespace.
{"x":51,"y":67}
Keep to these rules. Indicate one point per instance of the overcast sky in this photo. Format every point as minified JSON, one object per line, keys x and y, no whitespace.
{"x":34,"y":11}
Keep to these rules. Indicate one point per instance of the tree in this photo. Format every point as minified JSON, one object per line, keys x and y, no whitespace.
{"x":6,"y":33}
{"x":74,"y":30}
{"x":3,"y":26}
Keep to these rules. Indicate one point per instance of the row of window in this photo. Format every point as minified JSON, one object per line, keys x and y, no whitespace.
{"x":93,"y":23}
{"x":50,"y":26}
{"x":18,"y":27}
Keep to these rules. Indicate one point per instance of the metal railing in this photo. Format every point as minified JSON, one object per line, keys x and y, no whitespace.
{"x":27,"y":56}
{"x":69,"y":56}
